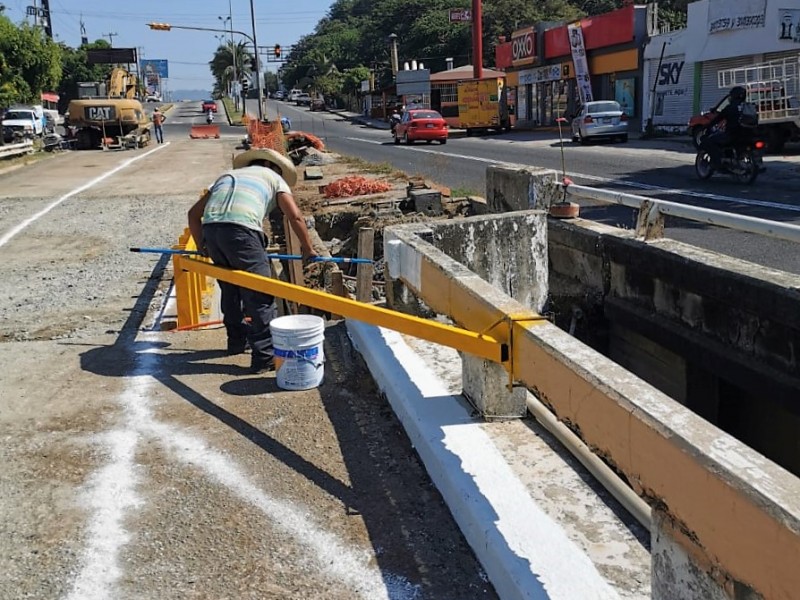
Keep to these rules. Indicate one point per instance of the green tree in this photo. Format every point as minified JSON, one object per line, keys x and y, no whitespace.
{"x":76,"y":68}
{"x":30,"y":63}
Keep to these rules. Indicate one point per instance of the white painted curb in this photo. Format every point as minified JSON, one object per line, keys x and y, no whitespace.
{"x":524,"y":552}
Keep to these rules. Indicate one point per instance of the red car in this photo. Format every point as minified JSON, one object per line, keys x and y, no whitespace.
{"x":209,"y":105}
{"x":421,"y":124}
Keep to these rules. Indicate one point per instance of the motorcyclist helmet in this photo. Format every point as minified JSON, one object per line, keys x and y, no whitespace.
{"x":738,"y":94}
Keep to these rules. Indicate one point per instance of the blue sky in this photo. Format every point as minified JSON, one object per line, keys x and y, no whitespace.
{"x":188,"y":52}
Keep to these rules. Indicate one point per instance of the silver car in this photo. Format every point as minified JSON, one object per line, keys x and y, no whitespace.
{"x":602,"y":119}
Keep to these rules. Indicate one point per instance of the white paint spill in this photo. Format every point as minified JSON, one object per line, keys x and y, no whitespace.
{"x":111,"y":492}
{"x":14,"y":231}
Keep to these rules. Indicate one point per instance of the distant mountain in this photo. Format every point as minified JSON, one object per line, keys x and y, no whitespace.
{"x":178,"y":95}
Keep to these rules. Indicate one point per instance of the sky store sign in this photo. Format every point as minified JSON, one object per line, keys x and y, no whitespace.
{"x":727,"y":15}
{"x":523,"y":47}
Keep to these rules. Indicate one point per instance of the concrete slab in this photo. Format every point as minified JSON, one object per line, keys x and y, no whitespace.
{"x":536,"y":522}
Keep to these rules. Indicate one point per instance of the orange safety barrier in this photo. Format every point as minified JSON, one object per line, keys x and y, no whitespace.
{"x":204,"y":132}
{"x":266,"y":135}
{"x":355,"y":185}
{"x":190,"y":288}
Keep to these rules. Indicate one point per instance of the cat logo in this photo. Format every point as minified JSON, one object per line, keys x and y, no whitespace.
{"x":100,"y":113}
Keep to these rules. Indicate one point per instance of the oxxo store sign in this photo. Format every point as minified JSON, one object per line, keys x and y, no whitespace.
{"x":523,"y":47}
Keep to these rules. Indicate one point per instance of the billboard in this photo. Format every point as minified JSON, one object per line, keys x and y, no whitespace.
{"x":159,"y":66}
{"x":111,"y":56}
{"x":414,"y":82}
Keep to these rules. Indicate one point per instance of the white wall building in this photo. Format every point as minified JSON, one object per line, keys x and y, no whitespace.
{"x":720,"y":34}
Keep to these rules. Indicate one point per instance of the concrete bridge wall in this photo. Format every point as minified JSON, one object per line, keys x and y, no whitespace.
{"x":726,"y":519}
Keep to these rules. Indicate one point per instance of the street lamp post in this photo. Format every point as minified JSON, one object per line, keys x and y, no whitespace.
{"x":234,"y":84}
{"x":168,"y":27}
{"x":257,"y":65}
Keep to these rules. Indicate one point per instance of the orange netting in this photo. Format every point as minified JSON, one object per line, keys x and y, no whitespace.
{"x":304,"y":138}
{"x":355,"y":186}
{"x":265,"y":135}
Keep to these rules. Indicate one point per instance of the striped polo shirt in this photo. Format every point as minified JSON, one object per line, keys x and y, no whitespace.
{"x":244,"y":197}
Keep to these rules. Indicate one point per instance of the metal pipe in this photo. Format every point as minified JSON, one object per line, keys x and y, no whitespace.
{"x":601,"y":471}
{"x":333,"y":259}
{"x":719,"y":218}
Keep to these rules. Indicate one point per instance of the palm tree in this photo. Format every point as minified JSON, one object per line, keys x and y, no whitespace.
{"x":222,"y":65}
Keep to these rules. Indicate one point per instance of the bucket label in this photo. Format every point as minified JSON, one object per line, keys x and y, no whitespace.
{"x":307,"y":354}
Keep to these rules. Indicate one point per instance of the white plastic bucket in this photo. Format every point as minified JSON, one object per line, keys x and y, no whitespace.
{"x":299,"y":356}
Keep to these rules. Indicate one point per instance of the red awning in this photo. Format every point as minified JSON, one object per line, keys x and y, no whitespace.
{"x":50,"y":96}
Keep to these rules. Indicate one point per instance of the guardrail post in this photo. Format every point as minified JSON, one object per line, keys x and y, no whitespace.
{"x":650,"y":221}
{"x":485,"y":384}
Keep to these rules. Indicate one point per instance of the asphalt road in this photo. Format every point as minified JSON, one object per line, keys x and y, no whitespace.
{"x":657,"y":168}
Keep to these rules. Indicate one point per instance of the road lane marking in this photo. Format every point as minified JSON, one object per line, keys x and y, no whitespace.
{"x":598,"y":178}
{"x":14,"y":231}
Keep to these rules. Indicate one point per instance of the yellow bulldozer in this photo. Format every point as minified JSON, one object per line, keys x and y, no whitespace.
{"x":108,"y":114}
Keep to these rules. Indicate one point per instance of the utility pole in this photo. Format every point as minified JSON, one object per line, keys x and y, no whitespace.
{"x":110,"y":36}
{"x":477,"y":40}
{"x":45,"y":13}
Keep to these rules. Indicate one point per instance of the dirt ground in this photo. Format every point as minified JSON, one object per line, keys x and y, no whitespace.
{"x":143,"y":463}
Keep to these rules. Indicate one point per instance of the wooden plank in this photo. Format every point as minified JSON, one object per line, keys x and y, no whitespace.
{"x":337,"y":287}
{"x":295,"y":267}
{"x":364,"y":273}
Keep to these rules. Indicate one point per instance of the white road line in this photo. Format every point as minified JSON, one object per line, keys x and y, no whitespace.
{"x":6,"y":237}
{"x":111,"y":491}
{"x":630,"y":184}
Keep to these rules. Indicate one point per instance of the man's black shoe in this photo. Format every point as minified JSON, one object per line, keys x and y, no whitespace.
{"x":259,"y":365}
{"x":237,"y":347}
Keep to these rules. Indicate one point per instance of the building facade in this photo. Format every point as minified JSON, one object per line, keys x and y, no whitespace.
{"x":608,"y":51}
{"x":682,"y":68}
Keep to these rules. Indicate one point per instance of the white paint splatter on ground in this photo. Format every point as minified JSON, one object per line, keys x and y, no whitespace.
{"x":112,"y":492}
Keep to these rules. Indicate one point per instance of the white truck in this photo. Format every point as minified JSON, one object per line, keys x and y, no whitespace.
{"x":774,"y":87}
{"x":21,"y":122}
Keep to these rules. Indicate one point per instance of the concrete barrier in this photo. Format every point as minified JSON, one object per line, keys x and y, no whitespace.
{"x":726,"y":519}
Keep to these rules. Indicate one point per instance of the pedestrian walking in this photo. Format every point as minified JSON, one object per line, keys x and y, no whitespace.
{"x":158,"y":119}
{"x":227,"y":225}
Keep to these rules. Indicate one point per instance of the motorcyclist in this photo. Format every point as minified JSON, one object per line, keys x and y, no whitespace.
{"x":209,"y":117}
{"x":286,"y":124}
{"x":394,"y":119}
{"x":716,"y":142}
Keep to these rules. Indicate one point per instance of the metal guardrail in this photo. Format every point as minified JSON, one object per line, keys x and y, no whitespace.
{"x":718,"y":218}
{"x":9,"y":150}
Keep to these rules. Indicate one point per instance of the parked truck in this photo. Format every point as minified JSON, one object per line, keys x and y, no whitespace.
{"x":774,"y":88}
{"x":483,"y":105}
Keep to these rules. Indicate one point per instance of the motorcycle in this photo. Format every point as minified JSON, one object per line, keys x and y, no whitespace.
{"x":393,"y":121}
{"x":209,"y":118}
{"x":743,"y":161}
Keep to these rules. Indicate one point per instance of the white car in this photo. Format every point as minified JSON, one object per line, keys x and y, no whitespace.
{"x":23,"y":121}
{"x":153,"y":98}
{"x":601,"y":119}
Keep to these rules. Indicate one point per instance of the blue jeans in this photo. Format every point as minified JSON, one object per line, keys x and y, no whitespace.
{"x":159,"y":134}
{"x":243,"y":249}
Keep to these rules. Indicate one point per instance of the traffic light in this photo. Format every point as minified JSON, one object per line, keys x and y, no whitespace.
{"x":160,"y":26}
{"x":277,"y":50}
{"x":245,"y":86}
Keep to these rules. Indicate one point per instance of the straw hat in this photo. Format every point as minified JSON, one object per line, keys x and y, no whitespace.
{"x":286,"y":166}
